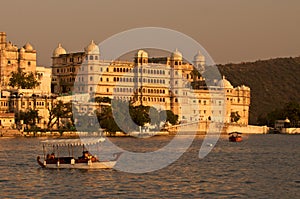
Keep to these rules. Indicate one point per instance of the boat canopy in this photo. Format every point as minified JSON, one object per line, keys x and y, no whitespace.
{"x":234,"y":133}
{"x":73,"y":142}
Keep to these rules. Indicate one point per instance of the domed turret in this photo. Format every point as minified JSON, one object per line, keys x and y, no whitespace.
{"x":199,"y":57}
{"x":9,"y":46}
{"x":176,"y":55}
{"x":59,"y":51}
{"x":28,"y":47}
{"x":92,"y":48}
{"x":142,"y":54}
{"x":141,"y":57}
{"x":287,"y":120}
{"x":22,"y":50}
{"x":224,"y":83}
{"x":245,"y":87}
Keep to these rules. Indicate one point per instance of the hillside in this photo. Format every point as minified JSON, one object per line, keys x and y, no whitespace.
{"x":273,"y":83}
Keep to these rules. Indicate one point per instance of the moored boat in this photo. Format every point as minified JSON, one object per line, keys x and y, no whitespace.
{"x":86,"y":161}
{"x":235,"y":137}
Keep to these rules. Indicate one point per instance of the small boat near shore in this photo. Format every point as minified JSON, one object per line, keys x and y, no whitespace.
{"x":87,"y":161}
{"x":235,"y":137}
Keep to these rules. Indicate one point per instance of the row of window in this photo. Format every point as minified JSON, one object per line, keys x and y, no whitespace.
{"x":149,"y":71}
{"x":92,"y":57}
{"x":205,"y":111}
{"x":9,"y":63}
{"x":145,"y":99}
{"x":24,"y":103}
{"x":72,"y":59}
{"x":65,"y":70}
{"x":130,"y":90}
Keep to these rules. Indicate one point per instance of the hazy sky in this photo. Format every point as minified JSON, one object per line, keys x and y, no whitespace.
{"x":230,"y":30}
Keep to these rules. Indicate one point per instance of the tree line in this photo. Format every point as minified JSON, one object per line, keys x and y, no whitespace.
{"x":291,"y":110}
{"x":118,"y":116}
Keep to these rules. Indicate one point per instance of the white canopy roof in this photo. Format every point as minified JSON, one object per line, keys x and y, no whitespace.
{"x":73,"y":142}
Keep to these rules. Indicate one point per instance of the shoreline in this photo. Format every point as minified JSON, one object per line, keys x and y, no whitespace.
{"x":70,"y":135}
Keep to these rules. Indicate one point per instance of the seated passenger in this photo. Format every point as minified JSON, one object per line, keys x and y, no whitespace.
{"x":52,"y":156}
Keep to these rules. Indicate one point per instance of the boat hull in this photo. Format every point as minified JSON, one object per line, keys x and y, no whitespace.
{"x":235,"y":139}
{"x":88,"y":165}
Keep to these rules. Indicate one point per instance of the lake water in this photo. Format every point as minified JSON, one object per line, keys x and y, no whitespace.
{"x":262,"y":166}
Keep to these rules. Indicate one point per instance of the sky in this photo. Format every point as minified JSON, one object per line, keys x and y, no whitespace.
{"x":231,"y":31}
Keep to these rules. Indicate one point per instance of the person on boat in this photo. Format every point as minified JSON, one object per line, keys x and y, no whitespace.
{"x":86,"y":155}
{"x":52,"y":156}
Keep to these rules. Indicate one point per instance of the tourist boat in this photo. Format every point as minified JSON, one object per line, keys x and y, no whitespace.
{"x":235,"y":137}
{"x":86,"y":161}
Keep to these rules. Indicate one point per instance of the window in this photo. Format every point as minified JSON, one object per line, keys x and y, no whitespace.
{"x":8,"y":62}
{"x":91,"y":68}
{"x":29,"y":63}
{"x":91,"y":57}
{"x":91,"y":78}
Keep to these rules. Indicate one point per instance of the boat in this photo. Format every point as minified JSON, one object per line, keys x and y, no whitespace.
{"x":235,"y":137}
{"x":86,"y":161}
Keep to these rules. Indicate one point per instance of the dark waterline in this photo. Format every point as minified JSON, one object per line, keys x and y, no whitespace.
{"x":262,"y":166}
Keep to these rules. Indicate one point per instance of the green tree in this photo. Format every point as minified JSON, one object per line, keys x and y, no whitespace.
{"x":291,"y":110}
{"x":168,"y":116}
{"x":23,"y":80}
{"x":102,"y":99}
{"x":58,"y":111}
{"x":235,"y":117}
{"x":107,"y":121}
{"x":29,"y":117}
{"x":154,"y":116}
{"x":140,"y":114}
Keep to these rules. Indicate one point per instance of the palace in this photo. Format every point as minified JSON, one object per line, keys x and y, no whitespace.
{"x":168,"y":83}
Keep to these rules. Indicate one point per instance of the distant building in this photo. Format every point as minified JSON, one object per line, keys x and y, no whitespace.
{"x":44,"y":76}
{"x":13,"y":58}
{"x":7,"y":120}
{"x":14,"y":100}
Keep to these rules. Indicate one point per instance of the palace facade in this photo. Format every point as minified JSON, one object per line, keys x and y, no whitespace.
{"x":16,"y":100}
{"x":167,"y":83}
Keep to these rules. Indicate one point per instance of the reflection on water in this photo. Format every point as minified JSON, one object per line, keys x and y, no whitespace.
{"x":263,"y":166}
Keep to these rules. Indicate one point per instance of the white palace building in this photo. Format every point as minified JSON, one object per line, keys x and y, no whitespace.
{"x":167,"y":83}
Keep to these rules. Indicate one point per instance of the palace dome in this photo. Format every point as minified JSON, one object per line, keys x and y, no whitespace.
{"x":10,"y":47}
{"x":224,"y":83}
{"x":199,"y":57}
{"x":92,"y":48}
{"x":176,"y":55}
{"x":142,"y":53}
{"x":28,"y":47}
{"x":22,"y":50}
{"x":59,"y":51}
